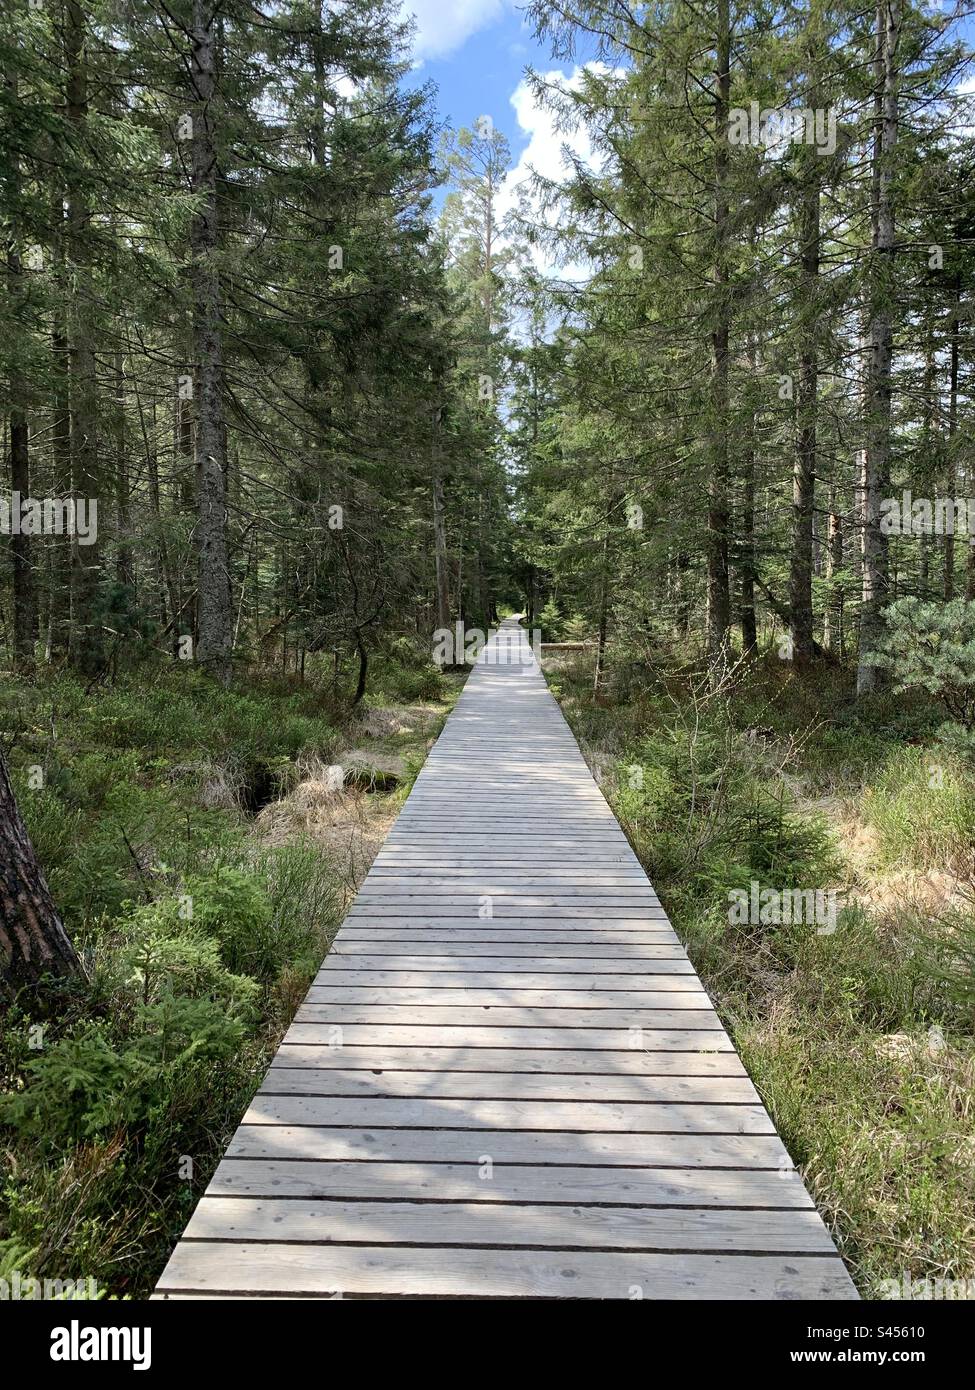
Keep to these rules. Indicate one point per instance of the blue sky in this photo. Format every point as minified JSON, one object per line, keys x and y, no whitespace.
{"x":476,"y":52}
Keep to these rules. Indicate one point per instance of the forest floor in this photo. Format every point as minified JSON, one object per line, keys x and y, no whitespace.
{"x":202,"y":846}
{"x":861,"y":1040}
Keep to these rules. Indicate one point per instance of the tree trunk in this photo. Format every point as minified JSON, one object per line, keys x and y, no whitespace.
{"x":833,"y":618}
{"x":215,"y":609}
{"x":876,"y":469}
{"x":440,"y":532}
{"x":59,"y":547}
{"x":718,"y":597}
{"x":86,"y":635}
{"x":749,"y":623}
{"x":804,"y":472}
{"x":602,"y":614}
{"x":25,"y":609}
{"x":33,"y":941}
{"x":124,"y":563}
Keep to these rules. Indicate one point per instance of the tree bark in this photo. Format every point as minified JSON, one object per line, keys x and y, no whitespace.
{"x":833,"y":618}
{"x":749,"y":623}
{"x":59,"y":547}
{"x":440,"y":531}
{"x":602,"y":613}
{"x":876,"y":465}
{"x":25,"y":608}
{"x":215,"y":609}
{"x":86,"y":635}
{"x":33,"y":942}
{"x":718,"y":595}
{"x":804,"y":472}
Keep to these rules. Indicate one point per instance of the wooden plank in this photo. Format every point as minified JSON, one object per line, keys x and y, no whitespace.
{"x":483,"y":977}
{"x":543,"y":1062}
{"x":492,"y":1085}
{"x":504,"y":909}
{"x":381,"y":1271}
{"x":595,"y":1147}
{"x":354,"y":947}
{"x":408,"y":855}
{"x":595,"y":1116}
{"x":510,"y":921}
{"x":580,"y":885}
{"x":521,"y":998}
{"x":543,"y":1227}
{"x":612,"y":919}
{"x":578,"y":970}
{"x":654,"y":944}
{"x":744,"y":1188}
{"x":446,"y":1035}
{"x":686,"y":1011}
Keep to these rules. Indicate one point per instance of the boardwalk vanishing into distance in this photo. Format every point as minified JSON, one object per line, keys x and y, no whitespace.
{"x":506,"y":1080}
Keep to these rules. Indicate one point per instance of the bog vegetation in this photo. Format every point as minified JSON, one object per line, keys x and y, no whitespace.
{"x":262,"y":312}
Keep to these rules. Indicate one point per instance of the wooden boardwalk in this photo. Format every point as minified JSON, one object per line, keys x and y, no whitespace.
{"x":506,"y":1080}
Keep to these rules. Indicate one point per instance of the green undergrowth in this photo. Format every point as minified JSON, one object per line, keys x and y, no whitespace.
{"x":121,"y":1089}
{"x":861,"y":1040}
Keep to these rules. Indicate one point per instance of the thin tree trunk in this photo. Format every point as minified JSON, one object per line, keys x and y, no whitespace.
{"x":169,"y":590}
{"x":950,"y":479}
{"x":718,"y":595}
{"x":440,"y":531}
{"x":749,"y":622}
{"x":59,"y":621}
{"x":876,"y":479}
{"x":25,"y":607}
{"x":124,"y":563}
{"x":833,"y":617}
{"x":928,"y":433}
{"x":215,"y":609}
{"x":804,"y":472}
{"x":86,"y":636}
{"x":602,"y":612}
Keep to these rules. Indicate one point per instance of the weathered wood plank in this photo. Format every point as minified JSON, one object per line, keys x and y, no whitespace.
{"x":446,"y":1035}
{"x":445,"y":976}
{"x":540,"y":1227}
{"x":492,"y":1085}
{"x":655,"y":997}
{"x":597,"y":1147}
{"x":540,"y":1061}
{"x":566,"y":1116}
{"x":587,"y":966}
{"x":676,"y":1011}
{"x":476,"y":1273}
{"x":353,"y":947}
{"x":781,"y":1189}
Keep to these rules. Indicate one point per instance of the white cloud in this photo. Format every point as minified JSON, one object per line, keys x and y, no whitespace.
{"x":443,"y":25}
{"x":545,"y":154}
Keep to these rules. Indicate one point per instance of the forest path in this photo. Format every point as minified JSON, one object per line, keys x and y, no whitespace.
{"x":506,"y":1079}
